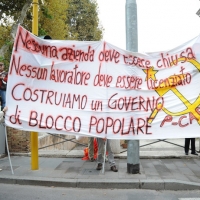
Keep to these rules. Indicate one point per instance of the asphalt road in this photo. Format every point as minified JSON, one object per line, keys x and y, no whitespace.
{"x":17,"y":192}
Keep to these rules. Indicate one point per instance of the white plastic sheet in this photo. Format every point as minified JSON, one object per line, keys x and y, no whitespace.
{"x":97,"y":89}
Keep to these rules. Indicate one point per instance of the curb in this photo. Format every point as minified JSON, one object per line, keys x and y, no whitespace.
{"x":168,"y":184}
{"x":153,"y":156}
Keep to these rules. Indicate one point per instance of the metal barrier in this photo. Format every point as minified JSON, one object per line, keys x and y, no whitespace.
{"x":71,"y":140}
{"x":165,"y":140}
{"x":64,"y":140}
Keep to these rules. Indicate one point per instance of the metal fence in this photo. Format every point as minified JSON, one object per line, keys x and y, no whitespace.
{"x":81,"y":144}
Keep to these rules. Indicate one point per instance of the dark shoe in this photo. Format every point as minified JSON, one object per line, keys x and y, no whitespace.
{"x":196,"y":154}
{"x":92,"y":159}
{"x":114,"y":168}
{"x":186,"y":154}
{"x":99,"y":166}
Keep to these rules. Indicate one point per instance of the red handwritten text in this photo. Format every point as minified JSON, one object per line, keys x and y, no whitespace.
{"x":102,"y":79}
{"x":133,"y":103}
{"x":129,"y":82}
{"x":22,"y":93}
{"x":167,"y":61}
{"x":71,"y":77}
{"x":27,"y":70}
{"x":136,"y":61}
{"x":29,"y":43}
{"x":77,"y":54}
{"x":108,"y":124}
{"x":49,"y":122}
{"x":109,"y":55}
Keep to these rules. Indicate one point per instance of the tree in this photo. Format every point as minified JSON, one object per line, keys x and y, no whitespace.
{"x":52,"y":19}
{"x":83,"y":20}
{"x":61,"y":19}
{"x":51,"y":13}
{"x":8,"y":12}
{"x":11,"y":9}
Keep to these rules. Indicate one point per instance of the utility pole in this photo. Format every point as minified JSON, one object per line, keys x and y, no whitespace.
{"x":34,"y":135}
{"x":133,"y":166}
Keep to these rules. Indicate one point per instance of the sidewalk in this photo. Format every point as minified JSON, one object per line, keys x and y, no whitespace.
{"x":162,"y":167}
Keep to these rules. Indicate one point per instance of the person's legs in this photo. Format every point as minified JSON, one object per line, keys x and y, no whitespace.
{"x":91,"y":148}
{"x":3,"y":98}
{"x":187,"y":144}
{"x":193,"y":149}
{"x":110,"y":154}
{"x":100,"y":157}
{"x":100,"y":143}
{"x":111,"y":159}
{"x":192,"y":145}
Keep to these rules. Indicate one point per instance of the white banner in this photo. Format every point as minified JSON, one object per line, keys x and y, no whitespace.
{"x":97,"y":89}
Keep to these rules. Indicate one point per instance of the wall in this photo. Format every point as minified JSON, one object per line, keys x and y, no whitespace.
{"x":18,"y":140}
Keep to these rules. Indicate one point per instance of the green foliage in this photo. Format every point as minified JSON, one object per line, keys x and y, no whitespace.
{"x":9,"y":13}
{"x":61,"y":19}
{"x":11,"y":8}
{"x":83,"y":21}
{"x":52,"y":18}
{"x":45,"y":12}
{"x":41,"y":31}
{"x":5,"y":39}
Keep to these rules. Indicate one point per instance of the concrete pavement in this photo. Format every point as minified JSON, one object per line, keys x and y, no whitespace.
{"x":163,"y":166}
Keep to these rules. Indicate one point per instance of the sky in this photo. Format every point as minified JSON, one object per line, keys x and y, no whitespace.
{"x":162,"y":24}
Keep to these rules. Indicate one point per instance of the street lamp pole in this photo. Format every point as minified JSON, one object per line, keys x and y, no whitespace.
{"x":133,"y":166}
{"x":34,"y":135}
